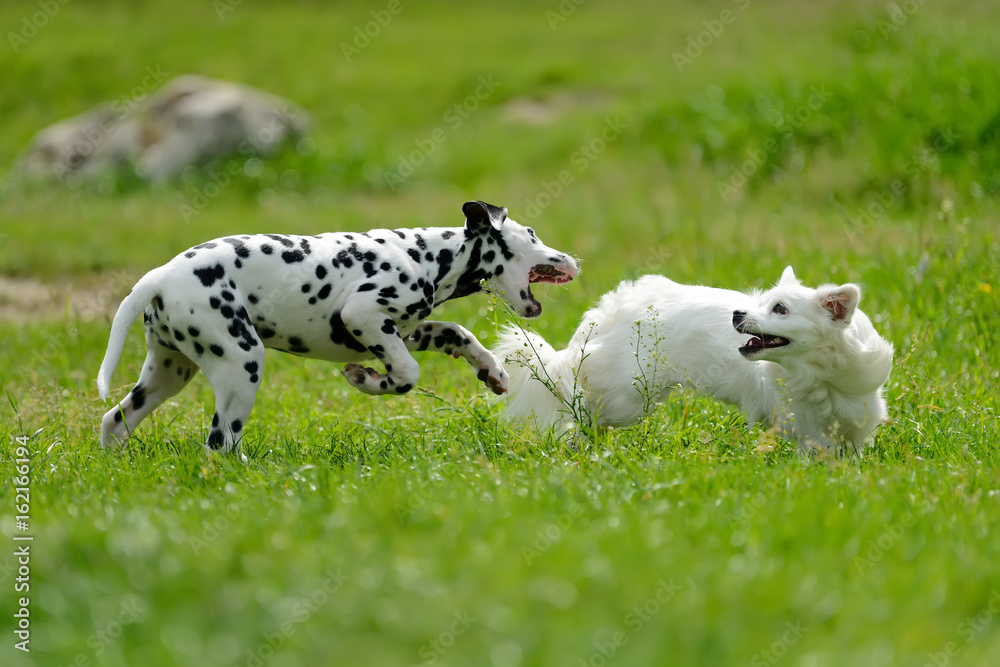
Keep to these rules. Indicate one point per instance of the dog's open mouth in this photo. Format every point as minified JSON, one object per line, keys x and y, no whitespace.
{"x":762,"y":342}
{"x":546,"y":273}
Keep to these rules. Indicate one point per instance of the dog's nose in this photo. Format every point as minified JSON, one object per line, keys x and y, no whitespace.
{"x":738,"y":317}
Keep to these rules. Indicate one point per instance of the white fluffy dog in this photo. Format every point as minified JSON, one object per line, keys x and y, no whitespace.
{"x":804,"y":361}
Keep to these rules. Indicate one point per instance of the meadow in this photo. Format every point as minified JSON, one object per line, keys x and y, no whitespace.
{"x":715,"y":143}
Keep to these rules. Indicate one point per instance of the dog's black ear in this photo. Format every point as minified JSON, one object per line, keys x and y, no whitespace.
{"x":840,"y":301}
{"x":479,"y":215}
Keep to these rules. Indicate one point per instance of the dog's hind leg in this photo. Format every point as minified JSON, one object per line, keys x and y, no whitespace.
{"x":234,"y":374}
{"x":459,"y":342}
{"x":164,"y":373}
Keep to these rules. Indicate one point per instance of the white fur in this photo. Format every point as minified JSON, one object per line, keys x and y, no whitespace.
{"x":823,"y":390}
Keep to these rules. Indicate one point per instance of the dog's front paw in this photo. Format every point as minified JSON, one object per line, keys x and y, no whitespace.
{"x":495,"y":379}
{"x":367,"y":380}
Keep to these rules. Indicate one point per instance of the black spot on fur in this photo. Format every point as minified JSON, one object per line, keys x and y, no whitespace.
{"x":399,"y":233}
{"x":266,"y":249}
{"x":236,"y":425}
{"x":307,"y":288}
{"x":194,"y":332}
{"x":241,"y":248}
{"x":403,"y":388}
{"x":324,"y":291}
{"x":295,"y":345}
{"x":293,"y":256}
{"x":414,"y":255}
{"x":178,"y":336}
{"x":215,"y":439}
{"x":214,"y":302}
{"x":216,"y":349}
{"x":138,"y":397}
{"x":447,"y":235}
{"x":340,"y":335}
{"x":190,"y":253}
{"x":388,"y":326}
{"x":118,"y":416}
{"x":208,"y":275}
{"x":366,"y":287}
{"x":444,"y":260}
{"x":320,"y":272}
{"x":385,"y":266}
{"x":227,"y":312}
{"x":252,"y":298}
{"x":199,"y":348}
{"x":265,"y":332}
{"x":168,"y":362}
{"x":283,"y":240}
{"x":228,"y":296}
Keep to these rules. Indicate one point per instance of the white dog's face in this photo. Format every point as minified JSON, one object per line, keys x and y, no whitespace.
{"x":793,"y":320}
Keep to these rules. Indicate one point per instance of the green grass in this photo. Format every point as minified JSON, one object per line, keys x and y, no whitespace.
{"x":422,"y":529}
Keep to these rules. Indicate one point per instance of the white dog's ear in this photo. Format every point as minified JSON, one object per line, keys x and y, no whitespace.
{"x":479,"y":214}
{"x":788,"y":276}
{"x":840,"y":301}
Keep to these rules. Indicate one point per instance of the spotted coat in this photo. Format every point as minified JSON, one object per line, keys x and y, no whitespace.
{"x":346,"y":297}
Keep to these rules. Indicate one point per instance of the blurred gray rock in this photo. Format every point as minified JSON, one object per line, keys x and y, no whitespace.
{"x":189,"y":121}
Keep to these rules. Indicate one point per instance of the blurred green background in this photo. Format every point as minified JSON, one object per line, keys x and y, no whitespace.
{"x":713,"y":142}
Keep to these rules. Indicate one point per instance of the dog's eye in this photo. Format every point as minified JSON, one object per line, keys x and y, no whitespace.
{"x":779,"y":309}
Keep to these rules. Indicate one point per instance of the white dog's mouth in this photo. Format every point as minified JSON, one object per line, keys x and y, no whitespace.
{"x":547,"y":273}
{"x":762,"y":342}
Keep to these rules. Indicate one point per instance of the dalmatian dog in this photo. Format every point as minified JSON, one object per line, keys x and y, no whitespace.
{"x":345,"y":297}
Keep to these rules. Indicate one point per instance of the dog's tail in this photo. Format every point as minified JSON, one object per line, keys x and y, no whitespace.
{"x":542,"y":380}
{"x":134,"y":303}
